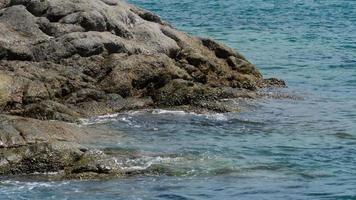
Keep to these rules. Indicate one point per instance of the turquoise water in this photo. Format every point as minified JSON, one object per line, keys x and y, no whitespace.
{"x":302,"y":148}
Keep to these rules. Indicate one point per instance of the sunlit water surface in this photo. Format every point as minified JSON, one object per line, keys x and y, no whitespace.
{"x":275,"y":148}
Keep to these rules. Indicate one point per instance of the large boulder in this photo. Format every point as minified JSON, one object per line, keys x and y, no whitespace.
{"x":94,"y":57}
{"x":69,"y":59}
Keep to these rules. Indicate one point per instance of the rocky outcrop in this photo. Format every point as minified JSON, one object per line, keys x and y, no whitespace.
{"x":33,"y":146}
{"x":64,"y":60}
{"x":68,"y":59}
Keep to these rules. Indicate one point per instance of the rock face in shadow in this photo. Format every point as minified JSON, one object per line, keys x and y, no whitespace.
{"x":69,"y":59}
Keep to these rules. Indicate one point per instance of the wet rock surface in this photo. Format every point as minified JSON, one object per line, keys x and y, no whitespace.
{"x":65,"y":60}
{"x":30,"y":146}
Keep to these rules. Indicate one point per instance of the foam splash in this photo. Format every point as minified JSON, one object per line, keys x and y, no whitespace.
{"x":99,"y":119}
{"x":128,"y":116}
{"x":146,"y":162}
{"x":217,"y":117}
{"x":172,"y":112}
{"x":23,"y":185}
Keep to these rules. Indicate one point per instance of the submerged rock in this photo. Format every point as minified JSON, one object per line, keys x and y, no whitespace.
{"x":64,"y":60}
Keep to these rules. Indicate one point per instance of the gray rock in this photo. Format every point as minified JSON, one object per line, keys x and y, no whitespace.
{"x":32,"y":146}
{"x":64,"y":60}
{"x":4,"y":3}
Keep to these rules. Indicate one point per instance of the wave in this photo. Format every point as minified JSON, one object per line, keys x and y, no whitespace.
{"x":127,"y":116}
{"x":29,"y":185}
{"x":145,"y":162}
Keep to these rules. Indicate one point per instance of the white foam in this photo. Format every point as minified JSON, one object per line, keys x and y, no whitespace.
{"x":103,"y":119}
{"x":212,"y":116}
{"x":173,"y":112}
{"x":145,"y":162}
{"x":217,"y":117}
{"x":22,"y":185}
{"x":127,"y":116}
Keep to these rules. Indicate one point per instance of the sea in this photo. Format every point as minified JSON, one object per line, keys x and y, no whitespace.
{"x":301,"y":147}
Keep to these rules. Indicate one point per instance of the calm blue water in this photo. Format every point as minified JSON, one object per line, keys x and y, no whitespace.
{"x":273,"y":149}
